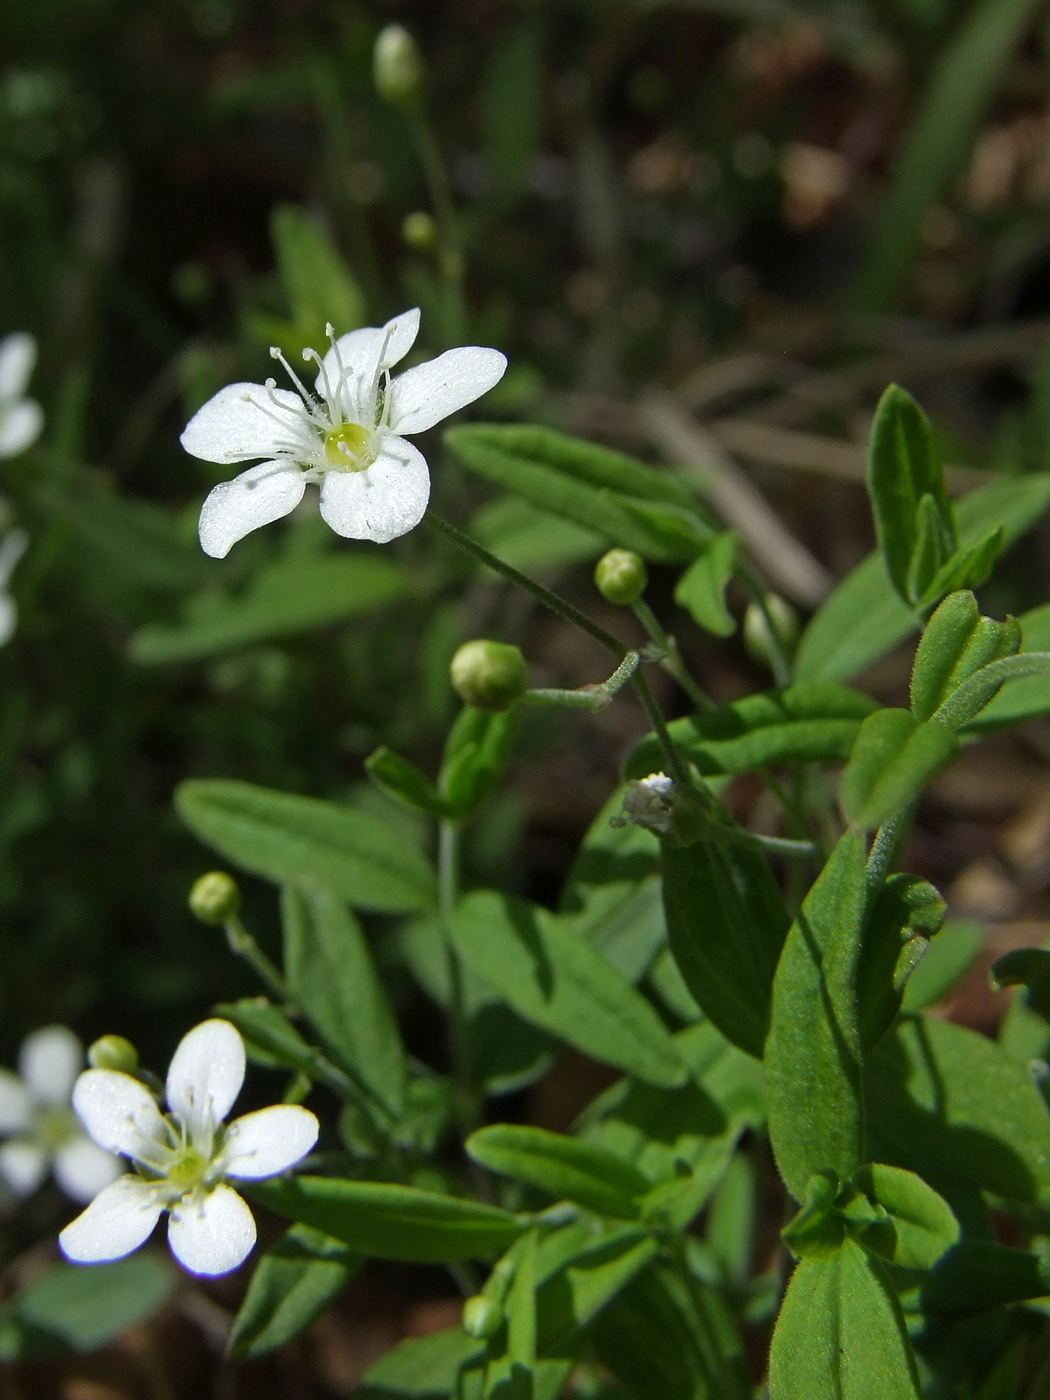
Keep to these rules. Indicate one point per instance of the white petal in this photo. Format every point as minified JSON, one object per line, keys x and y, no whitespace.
{"x":242,"y":421}
{"x":15,"y":1104}
{"x":17,"y":358}
{"x":257,"y":497}
{"x":387,"y":499}
{"x":211,"y":1234}
{"x":267,"y":1142}
{"x":118,"y":1220}
{"x":21,"y":424}
{"x":82,"y":1169}
{"x":118,"y":1112}
{"x":49,"y":1061}
{"x":23,"y":1165}
{"x":206,"y":1074}
{"x":359,"y":353}
{"x":422,"y":396}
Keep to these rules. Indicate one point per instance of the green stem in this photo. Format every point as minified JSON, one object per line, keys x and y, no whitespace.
{"x":672,"y":661}
{"x":594,"y":697}
{"x":448,"y":893}
{"x":244,"y":945}
{"x":677,"y":768}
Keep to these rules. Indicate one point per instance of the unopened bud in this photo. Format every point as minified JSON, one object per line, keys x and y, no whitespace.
{"x":489,"y":675}
{"x":757,"y":637}
{"x":397,"y":66}
{"x":113,"y":1052}
{"x":621,"y":576}
{"x":419,"y":230}
{"x":215,"y":898}
{"x":481,"y":1317}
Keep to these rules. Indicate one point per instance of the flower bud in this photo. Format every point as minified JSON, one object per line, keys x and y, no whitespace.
{"x":621,"y":576}
{"x":419,"y":230}
{"x":481,"y":1317}
{"x":757,"y":639}
{"x":113,"y":1052}
{"x":215,"y":898}
{"x":489,"y":675}
{"x":397,"y":66}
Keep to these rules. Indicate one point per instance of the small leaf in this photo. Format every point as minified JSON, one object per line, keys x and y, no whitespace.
{"x":333,"y":979}
{"x":512,"y":108}
{"x":293,"y":1283}
{"x":476,"y":753}
{"x":418,"y":1368}
{"x":701,"y":589}
{"x":562,"y":1166}
{"x":957,"y":642}
{"x":391,"y":1222}
{"x":965,"y":568}
{"x":288,"y":839}
{"x":924,"y":1227}
{"x":893,"y":759}
{"x":403,"y":780}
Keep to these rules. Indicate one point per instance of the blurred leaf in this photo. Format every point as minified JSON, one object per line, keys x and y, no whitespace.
{"x":319,"y":285}
{"x":418,"y":1368}
{"x":289,"y":839}
{"x":290,"y":596}
{"x":701,"y":589}
{"x":391,"y":1222}
{"x":944,"y":962}
{"x":892,"y":760}
{"x":906,"y":914}
{"x":1025,"y":967}
{"x":562,"y":1166}
{"x":512,"y":110}
{"x":981,"y":1274}
{"x":401,"y":779}
{"x":529,"y":538}
{"x":293,"y":1283}
{"x":1023,"y":699}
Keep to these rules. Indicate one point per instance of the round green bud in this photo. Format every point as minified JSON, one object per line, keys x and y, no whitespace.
{"x":757,"y":638}
{"x":113,"y":1052}
{"x":489,"y":675}
{"x":481,"y":1317}
{"x":419,"y":230}
{"x":621,"y":576}
{"x":215,"y":898}
{"x":397,"y":66}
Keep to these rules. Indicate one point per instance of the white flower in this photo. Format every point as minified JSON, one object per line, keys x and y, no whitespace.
{"x":649,"y":802}
{"x":348,"y":436}
{"x":41,"y":1127}
{"x":21,"y":419}
{"x":183,"y":1158}
{"x":12,"y":547}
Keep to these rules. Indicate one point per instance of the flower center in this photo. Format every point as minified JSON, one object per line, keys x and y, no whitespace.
{"x":189,"y":1171}
{"x":54,"y":1127}
{"x":345,"y":446}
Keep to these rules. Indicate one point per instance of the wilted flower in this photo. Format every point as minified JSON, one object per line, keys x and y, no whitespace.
{"x":21,"y":419}
{"x":40,"y":1126}
{"x":649,"y":802}
{"x":183,"y":1158}
{"x":347,"y":436}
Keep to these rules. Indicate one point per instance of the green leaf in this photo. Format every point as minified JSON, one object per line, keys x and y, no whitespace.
{"x":906,"y":914}
{"x":618,"y":497}
{"x":560,"y":983}
{"x":812,"y":1058}
{"x":841,"y":1334}
{"x":945,"y":961}
{"x":562,"y":1166}
{"x":511,"y":110}
{"x":965,"y":568}
{"x":1025,"y":967}
{"x":402,"y":780}
{"x":293,"y":1283}
{"x":957,"y":642}
{"x":932,"y":553}
{"x":268,"y":1029}
{"x":72,"y":1308}
{"x":808,"y":723}
{"x":726,"y":924}
{"x":529,"y":538}
{"x":319,"y":286}
{"x":287,"y":839}
{"x":893,"y":759}
{"x":864,"y":618}
{"x":291,"y":596}
{"x":981,"y":1274}
{"x":391,"y":1222}
{"x":967,"y":72}
{"x":418,"y":1368}
{"x":951,"y":1105}
{"x":922,"y":1225}
{"x":701,"y":589}
{"x":1026,"y":698}
{"x":476,"y":753}
{"x":333,"y":979}
{"x":579,"y":1274}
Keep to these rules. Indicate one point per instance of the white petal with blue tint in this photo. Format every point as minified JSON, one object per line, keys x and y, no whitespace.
{"x":82,"y":1168}
{"x":257,"y":497}
{"x":243,"y":421}
{"x":267,"y":1142}
{"x":213,"y":1233}
{"x":425,"y":395}
{"x":382,"y":502}
{"x":118,"y":1220}
{"x":206,"y":1074}
{"x":118,"y":1112}
{"x":23,"y":1165}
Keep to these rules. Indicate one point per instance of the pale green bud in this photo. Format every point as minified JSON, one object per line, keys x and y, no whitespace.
{"x":621,"y":577}
{"x":489,"y":675}
{"x":757,"y":638}
{"x":113,"y":1052}
{"x":419,"y":230}
{"x":215,"y":898}
{"x":481,"y":1317}
{"x":397,"y":66}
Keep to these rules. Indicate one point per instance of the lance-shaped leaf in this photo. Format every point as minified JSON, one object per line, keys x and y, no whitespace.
{"x":957,"y":642}
{"x":290,"y":839}
{"x":841,"y":1334}
{"x":980,"y":1274}
{"x":812,"y":1058}
{"x":392,"y":1222}
{"x":419,"y":1368}
{"x":563,"y":1167}
{"x":809,"y":723}
{"x":892,"y":760}
{"x":293,"y":1283}
{"x":701,"y":589}
{"x":559,"y":982}
{"x":333,"y":979}
{"x":726,"y":924}
{"x":580,"y":1273}
{"x":401,"y":778}
{"x":921,"y":1226}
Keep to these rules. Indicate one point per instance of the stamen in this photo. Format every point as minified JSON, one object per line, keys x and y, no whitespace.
{"x":309,"y":354}
{"x":381,"y":367}
{"x":277,"y":354}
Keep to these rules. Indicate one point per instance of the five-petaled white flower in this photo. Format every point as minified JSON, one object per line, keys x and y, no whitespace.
{"x":183,"y":1158}
{"x":21,"y":419}
{"x":347,"y":436}
{"x":41,"y":1127}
